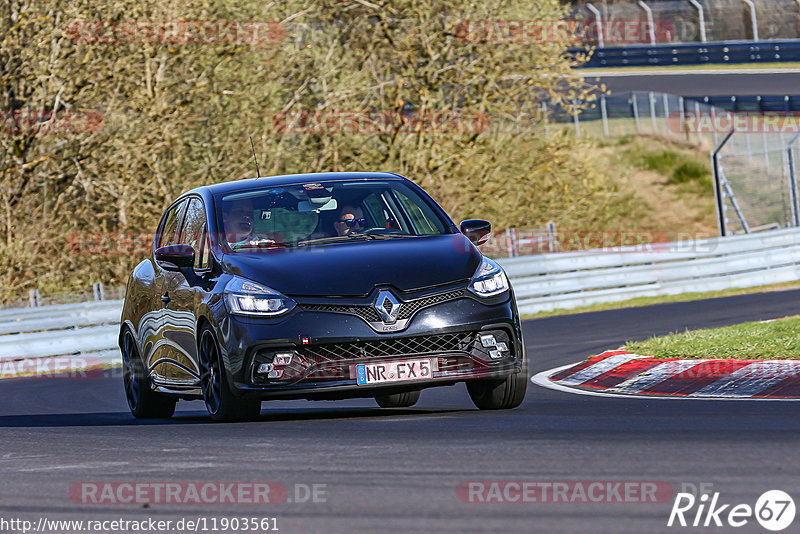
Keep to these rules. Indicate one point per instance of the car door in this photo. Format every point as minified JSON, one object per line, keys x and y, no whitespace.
{"x":181,"y":298}
{"x":163,"y":354}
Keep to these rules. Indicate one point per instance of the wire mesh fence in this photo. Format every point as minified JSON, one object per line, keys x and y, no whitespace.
{"x":685,"y":21}
{"x":756,"y":176}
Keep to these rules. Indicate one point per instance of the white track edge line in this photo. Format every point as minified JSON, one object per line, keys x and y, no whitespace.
{"x":543,"y":379}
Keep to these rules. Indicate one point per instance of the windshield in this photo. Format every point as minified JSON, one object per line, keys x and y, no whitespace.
{"x":324,"y":212}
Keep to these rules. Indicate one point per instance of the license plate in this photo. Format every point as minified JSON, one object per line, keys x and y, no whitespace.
{"x":395,"y":371}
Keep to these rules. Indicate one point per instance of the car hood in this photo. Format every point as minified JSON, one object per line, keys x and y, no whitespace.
{"x":356,"y":268}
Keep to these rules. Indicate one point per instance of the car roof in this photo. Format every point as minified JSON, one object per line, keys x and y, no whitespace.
{"x":286,"y":179}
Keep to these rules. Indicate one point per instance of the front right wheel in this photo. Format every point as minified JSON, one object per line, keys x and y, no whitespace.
{"x":493,"y":394}
{"x":142,"y":400}
{"x":221,"y":404}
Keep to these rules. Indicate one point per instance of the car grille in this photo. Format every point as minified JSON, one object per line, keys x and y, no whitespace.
{"x":368,"y":313}
{"x":383,"y":348}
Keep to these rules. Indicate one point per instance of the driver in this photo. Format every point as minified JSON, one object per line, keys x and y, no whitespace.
{"x":237,"y":221}
{"x":350,"y":220}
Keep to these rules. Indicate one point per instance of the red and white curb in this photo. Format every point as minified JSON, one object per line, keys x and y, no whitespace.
{"x":619,"y":373}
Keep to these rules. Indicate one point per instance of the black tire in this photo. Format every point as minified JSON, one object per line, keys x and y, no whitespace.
{"x":142,"y":400}
{"x":221,"y":404}
{"x":499,"y":394}
{"x":398,"y":400}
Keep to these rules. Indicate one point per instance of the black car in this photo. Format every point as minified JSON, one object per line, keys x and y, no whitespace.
{"x":316,"y":286}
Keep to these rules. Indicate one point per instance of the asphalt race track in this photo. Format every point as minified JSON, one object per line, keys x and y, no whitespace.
{"x":700,"y":83}
{"x":397,"y":470}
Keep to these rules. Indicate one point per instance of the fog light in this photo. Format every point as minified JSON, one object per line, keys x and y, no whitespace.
{"x":264,"y":368}
{"x":275,"y":373}
{"x":283,"y":358}
{"x":488,"y":341}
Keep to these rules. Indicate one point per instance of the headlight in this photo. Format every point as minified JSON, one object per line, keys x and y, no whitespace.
{"x":489,"y":279}
{"x":244,"y":297}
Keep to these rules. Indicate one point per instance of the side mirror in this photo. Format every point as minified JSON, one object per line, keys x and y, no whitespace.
{"x":175,"y":257}
{"x":477,"y":230}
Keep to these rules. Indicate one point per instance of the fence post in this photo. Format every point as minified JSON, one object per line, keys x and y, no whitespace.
{"x":753,"y":19}
{"x":635,"y":112}
{"x":33,"y":298}
{"x":546,"y":123}
{"x":552,"y":238}
{"x":575,"y":118}
{"x":596,"y":13}
{"x":665,"y":98}
{"x":713,"y":112}
{"x":682,"y":111}
{"x":650,"y":23}
{"x":97,"y":288}
{"x":765,"y":146}
{"x":604,"y":114}
{"x":652,"y":101}
{"x":701,"y":20}
{"x":718,"y":194}
{"x":793,"y":182}
{"x":697,"y":118}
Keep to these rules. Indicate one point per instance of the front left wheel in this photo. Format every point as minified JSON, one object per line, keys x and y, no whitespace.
{"x":221,"y":404}
{"x":143,"y":402}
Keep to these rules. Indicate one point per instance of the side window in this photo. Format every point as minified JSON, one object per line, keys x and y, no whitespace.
{"x":170,"y":229}
{"x":422,"y":221}
{"x":194,"y":232}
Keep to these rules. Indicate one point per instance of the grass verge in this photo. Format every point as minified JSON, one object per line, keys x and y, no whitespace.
{"x":683,"y":297}
{"x":772,"y":340}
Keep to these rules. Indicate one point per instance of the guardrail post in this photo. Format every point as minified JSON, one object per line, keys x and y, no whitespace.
{"x":701,"y":19}
{"x":97,"y":288}
{"x":33,"y":298}
{"x":718,"y":194}
{"x":753,"y":19}
{"x":636,"y":112}
{"x":598,"y":18}
{"x":650,"y":23}
{"x":604,"y":112}
{"x":793,"y":196}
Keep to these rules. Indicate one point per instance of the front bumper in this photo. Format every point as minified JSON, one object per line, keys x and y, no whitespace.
{"x":326,"y":349}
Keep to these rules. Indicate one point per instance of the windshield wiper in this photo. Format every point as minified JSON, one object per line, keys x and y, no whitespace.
{"x":333,"y":239}
{"x":243,"y":246}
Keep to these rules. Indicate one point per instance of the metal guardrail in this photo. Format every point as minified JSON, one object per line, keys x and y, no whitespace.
{"x":696,"y":53}
{"x":547,"y":282}
{"x":542,"y":282}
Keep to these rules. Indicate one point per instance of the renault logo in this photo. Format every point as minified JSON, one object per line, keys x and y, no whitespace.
{"x":387,"y":306}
